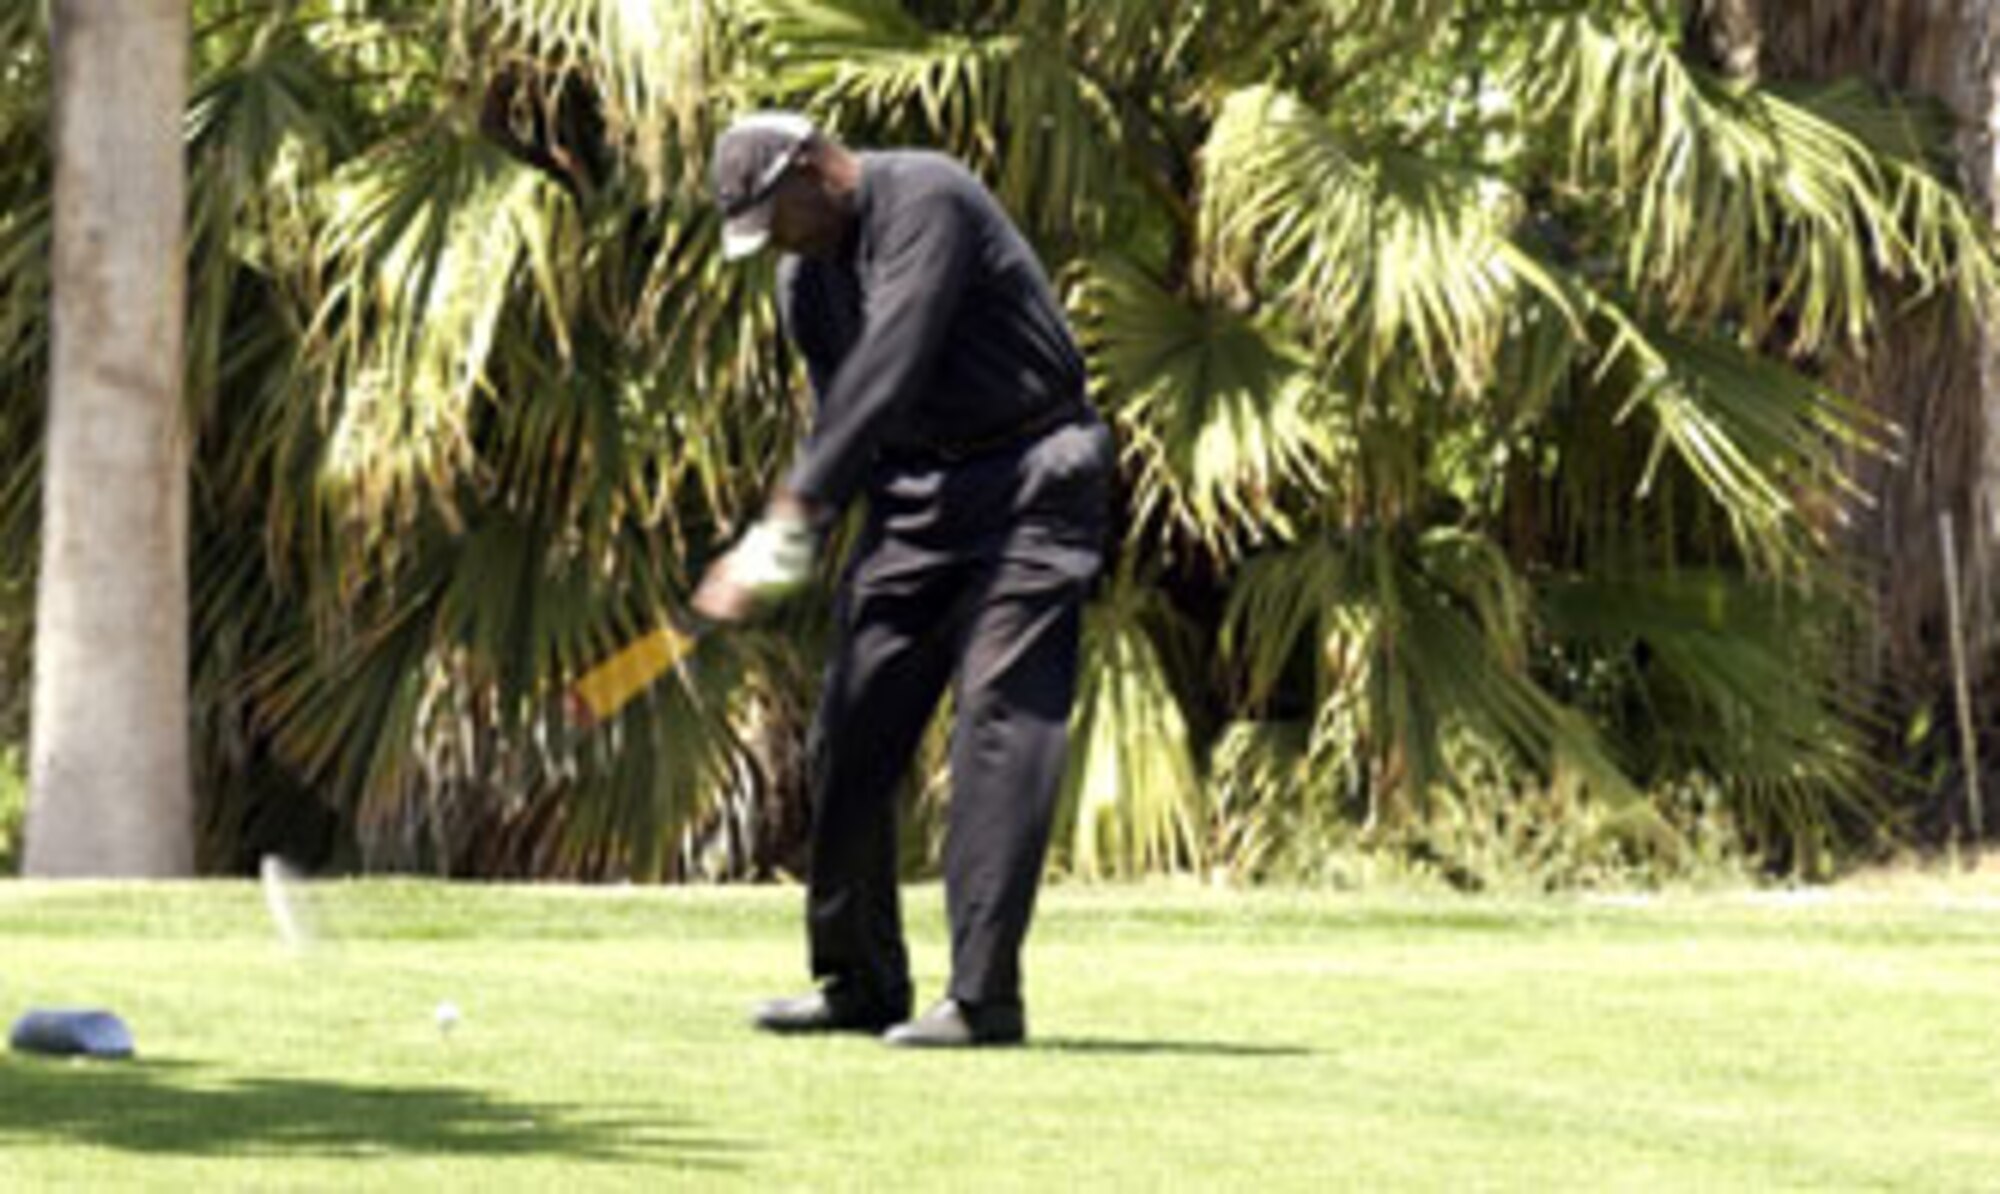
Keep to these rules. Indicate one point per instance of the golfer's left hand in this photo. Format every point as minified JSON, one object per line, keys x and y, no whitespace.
{"x":720,"y":598}
{"x":772,"y":562}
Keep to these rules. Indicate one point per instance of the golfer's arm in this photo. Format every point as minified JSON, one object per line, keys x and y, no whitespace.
{"x":912,"y":296}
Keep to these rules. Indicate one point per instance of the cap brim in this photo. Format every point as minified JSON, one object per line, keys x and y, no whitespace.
{"x":746,"y":235}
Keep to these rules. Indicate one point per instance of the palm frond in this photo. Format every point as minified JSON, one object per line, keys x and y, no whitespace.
{"x":655,"y":68}
{"x":430,"y":241}
{"x":266,"y":92}
{"x":1773,"y":448}
{"x":1268,"y":812}
{"x":1131,"y":799}
{"x":267,"y":117}
{"x":1737,"y":681}
{"x":1950,"y":248}
{"x":1222,"y":416}
{"x":437,"y":720}
{"x":25,"y":232}
{"x":1433,"y":633}
{"x":1375,"y":248}
{"x":1011,"y":101}
{"x":513,"y":451}
{"x":1458,"y":642}
{"x":711,"y":410}
{"x":877,"y":58}
{"x":24,"y":28}
{"x":1743,"y":203}
{"x":26,"y":240}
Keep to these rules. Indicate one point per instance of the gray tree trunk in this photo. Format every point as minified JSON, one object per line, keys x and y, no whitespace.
{"x":111,"y":792}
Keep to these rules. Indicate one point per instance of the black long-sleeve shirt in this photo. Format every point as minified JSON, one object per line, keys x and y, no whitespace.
{"x":936,"y":329}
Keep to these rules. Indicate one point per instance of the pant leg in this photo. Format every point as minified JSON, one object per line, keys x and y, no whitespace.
{"x":891,"y":659}
{"x":1009,"y":744}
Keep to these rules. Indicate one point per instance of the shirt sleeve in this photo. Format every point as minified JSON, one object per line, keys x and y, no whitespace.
{"x":910,"y":294}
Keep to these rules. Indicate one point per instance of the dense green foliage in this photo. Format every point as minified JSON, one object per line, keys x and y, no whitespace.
{"x":1483,"y":499}
{"x":13,"y":809}
{"x":1183,"y":1039}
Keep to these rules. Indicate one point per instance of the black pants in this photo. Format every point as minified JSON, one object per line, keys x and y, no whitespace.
{"x":975,"y":571}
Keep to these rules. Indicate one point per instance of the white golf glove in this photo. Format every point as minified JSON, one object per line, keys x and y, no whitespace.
{"x":775,"y":557}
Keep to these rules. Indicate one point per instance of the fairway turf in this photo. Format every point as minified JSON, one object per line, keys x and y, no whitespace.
{"x":1182,"y":1039}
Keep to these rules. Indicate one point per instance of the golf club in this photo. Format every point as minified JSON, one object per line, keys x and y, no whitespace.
{"x":286,"y":900}
{"x":602,"y":691}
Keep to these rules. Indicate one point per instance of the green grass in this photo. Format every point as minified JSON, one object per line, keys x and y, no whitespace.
{"x":1185,"y":1039}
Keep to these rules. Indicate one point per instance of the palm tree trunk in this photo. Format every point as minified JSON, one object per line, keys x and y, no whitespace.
{"x":1938,"y":378}
{"x":111,"y":788}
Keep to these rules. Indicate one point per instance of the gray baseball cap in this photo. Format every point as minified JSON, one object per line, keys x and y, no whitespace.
{"x":751,"y":159}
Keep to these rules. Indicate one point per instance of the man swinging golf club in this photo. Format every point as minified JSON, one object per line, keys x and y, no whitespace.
{"x":951,"y":394}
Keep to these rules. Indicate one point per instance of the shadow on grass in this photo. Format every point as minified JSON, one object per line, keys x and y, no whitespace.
{"x":169,"y":1107}
{"x":1168,"y":1048}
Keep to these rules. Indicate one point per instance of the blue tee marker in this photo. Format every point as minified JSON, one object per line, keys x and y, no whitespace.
{"x":65,"y":1033}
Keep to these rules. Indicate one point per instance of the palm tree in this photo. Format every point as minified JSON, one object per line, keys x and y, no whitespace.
{"x":1483,"y":465}
{"x":1932,"y":372}
{"x":111,"y":792}
{"x":500,"y":387}
{"x":1473,"y":351}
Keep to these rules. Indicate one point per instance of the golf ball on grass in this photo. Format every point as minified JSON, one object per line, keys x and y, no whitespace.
{"x":447,"y":1017}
